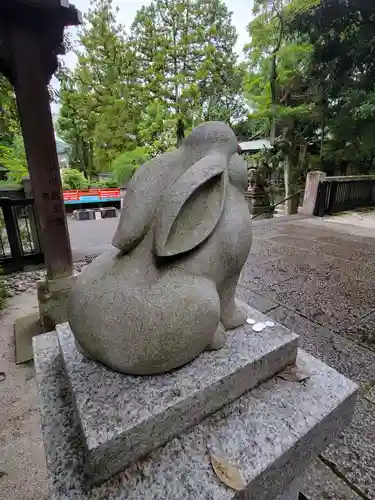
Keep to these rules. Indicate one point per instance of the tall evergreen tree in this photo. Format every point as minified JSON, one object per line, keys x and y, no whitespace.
{"x":186,"y":58}
{"x":98,"y":99}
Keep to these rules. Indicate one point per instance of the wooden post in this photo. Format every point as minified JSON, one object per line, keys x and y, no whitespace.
{"x":31,"y":79}
{"x":311,"y":191}
{"x":13,"y":235}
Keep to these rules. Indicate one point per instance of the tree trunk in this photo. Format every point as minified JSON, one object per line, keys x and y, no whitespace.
{"x":273,"y":80}
{"x":322,"y":122}
{"x":180,"y":131}
{"x":287,"y":179}
{"x":303,"y":157}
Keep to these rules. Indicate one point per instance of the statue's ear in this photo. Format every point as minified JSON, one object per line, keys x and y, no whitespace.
{"x":141,"y":200}
{"x":192,"y":207}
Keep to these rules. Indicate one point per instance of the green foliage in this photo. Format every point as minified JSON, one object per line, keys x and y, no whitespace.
{"x":186,"y":64}
{"x":177,"y":69}
{"x":12,"y":153}
{"x":124,"y":166}
{"x":310,"y":83}
{"x":73,"y":179}
{"x":98,"y":112}
{"x":9,"y":123}
{"x":107,"y":183}
{"x":14,"y":160}
{"x":111,"y":183}
{"x":280,"y":93}
{"x":342,"y":35}
{"x":275,"y":57}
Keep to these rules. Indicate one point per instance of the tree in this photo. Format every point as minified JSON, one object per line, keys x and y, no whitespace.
{"x":15,"y":162}
{"x":98,"y":102}
{"x":12,"y":151}
{"x":342,"y":35}
{"x":278,"y":92}
{"x":226,"y":103}
{"x":73,"y":179}
{"x":185,"y":51}
{"x":156,"y":129}
{"x":9,"y":123}
{"x":124,"y":166}
{"x":76,"y":124}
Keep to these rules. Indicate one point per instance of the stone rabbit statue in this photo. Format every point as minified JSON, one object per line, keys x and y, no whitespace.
{"x":166,"y":291}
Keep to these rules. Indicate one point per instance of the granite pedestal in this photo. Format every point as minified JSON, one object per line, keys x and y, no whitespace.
{"x":270,"y":432}
{"x":123,"y":417}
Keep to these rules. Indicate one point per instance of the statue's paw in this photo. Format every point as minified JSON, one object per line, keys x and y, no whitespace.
{"x":218,"y":340}
{"x":241,"y":306}
{"x":234,"y":317}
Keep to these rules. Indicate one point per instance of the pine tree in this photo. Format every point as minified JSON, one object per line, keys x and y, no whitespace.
{"x":98,"y":99}
{"x":185,"y":51}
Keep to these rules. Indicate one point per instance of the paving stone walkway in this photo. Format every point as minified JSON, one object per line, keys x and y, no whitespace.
{"x":315,"y":277}
{"x":318,"y":280}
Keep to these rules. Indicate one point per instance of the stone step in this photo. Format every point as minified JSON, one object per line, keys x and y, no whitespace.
{"x":124,"y":417}
{"x":270,"y":435}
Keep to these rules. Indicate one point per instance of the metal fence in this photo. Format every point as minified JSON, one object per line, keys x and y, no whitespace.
{"x":20,"y":243}
{"x":337,"y":194}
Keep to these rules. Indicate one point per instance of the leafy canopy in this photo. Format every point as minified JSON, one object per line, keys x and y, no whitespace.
{"x":124,"y":166}
{"x":73,"y":179}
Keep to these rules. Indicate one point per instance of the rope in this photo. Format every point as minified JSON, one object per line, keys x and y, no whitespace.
{"x":272,"y":207}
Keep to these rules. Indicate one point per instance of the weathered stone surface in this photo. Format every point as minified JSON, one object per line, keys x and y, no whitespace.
{"x":291,"y":493}
{"x":258,"y":196}
{"x":258,"y":276}
{"x":369,"y":394}
{"x":311,"y":191}
{"x":332,"y":260}
{"x":336,"y":305}
{"x":329,"y":346}
{"x":166,"y":292}
{"x":254,"y":300}
{"x":84,"y":214}
{"x":25,"y":328}
{"x":363,"y":331}
{"x":320,"y":483}
{"x":53,"y":299}
{"x":271,"y":433}
{"x":353,"y":454}
{"x":124,"y":417}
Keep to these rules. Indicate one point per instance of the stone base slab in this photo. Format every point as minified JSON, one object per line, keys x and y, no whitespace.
{"x":52,"y":299}
{"x":271,"y":434}
{"x":25,"y":328}
{"x":292,"y":492}
{"x":124,"y":417}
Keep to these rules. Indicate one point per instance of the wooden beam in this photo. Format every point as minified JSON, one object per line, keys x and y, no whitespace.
{"x":45,"y":4}
{"x":28,"y":55}
{"x":39,"y":12}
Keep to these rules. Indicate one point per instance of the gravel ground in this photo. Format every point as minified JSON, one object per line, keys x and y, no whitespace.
{"x":18,"y":283}
{"x":314,"y":276}
{"x":23,"y":474}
